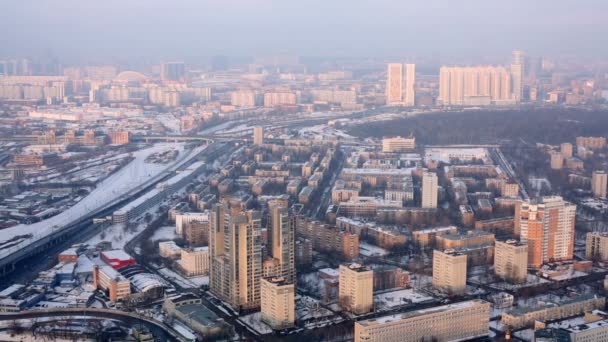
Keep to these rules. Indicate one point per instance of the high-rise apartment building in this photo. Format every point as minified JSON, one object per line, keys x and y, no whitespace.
{"x":429,"y":190}
{"x":258,"y":135}
{"x":236,"y":257}
{"x":517,"y":75}
{"x":281,"y":236}
{"x":400,"y":84}
{"x":547,"y":226}
{"x":450,"y":271}
{"x":454,"y":322}
{"x":409,"y":92}
{"x":474,"y":86}
{"x":173,"y":72}
{"x":356,"y":292}
{"x":394,"y":84}
{"x":511,"y":260}
{"x":243,"y":98}
{"x":596,"y":246}
{"x":599,"y":183}
{"x":278,"y":303}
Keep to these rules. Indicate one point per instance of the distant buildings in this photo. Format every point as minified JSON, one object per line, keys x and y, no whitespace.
{"x":517,"y":75}
{"x":258,"y":135}
{"x":278,"y":303}
{"x":475,"y":86}
{"x":356,"y":293}
{"x":454,"y":322}
{"x":173,"y":72}
{"x":429,"y":190}
{"x":274,"y":99}
{"x":547,"y":226}
{"x":511,"y":261}
{"x":400,"y":83}
{"x":398,"y":144}
{"x":593,"y":143}
{"x":450,"y":271}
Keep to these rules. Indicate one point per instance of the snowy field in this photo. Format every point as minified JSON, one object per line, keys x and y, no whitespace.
{"x":133,"y":175}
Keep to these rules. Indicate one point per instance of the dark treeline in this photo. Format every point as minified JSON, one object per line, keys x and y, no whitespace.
{"x":545,"y":125}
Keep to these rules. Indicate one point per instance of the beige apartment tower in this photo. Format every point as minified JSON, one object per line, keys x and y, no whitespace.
{"x":450,"y":271}
{"x":599,"y":182}
{"x":511,"y":261}
{"x":455,"y":322}
{"x":281,"y":237}
{"x":517,"y":75}
{"x":258,"y":135}
{"x":409,"y":92}
{"x":278,"y":303}
{"x":394,"y":84}
{"x":236,"y":257}
{"x":474,"y":86}
{"x":547,"y":226}
{"x":400,"y":84}
{"x":429,"y":190}
{"x":356,"y":291}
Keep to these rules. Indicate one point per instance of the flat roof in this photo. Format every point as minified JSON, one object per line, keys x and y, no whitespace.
{"x":411,"y":314}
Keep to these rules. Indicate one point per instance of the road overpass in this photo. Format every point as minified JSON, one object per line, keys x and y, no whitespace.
{"x":83,"y":223}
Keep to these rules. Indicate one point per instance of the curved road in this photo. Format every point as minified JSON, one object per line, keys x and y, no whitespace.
{"x":160,"y":331}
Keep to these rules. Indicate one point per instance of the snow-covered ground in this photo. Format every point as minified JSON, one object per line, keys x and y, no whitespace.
{"x":370,"y":250}
{"x":254,"y":322}
{"x":133,"y":175}
{"x":164,"y":233}
{"x":397,"y":298}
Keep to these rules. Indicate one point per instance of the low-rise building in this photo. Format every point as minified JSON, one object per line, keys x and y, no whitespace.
{"x":454,"y":322}
{"x":525,"y":317}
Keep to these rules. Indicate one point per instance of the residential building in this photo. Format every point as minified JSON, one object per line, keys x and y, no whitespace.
{"x":356,"y":293}
{"x":450,"y":271}
{"x":511,"y":261}
{"x":547,"y":226}
{"x":599,"y":183}
{"x":281,"y":238}
{"x":258,"y":135}
{"x":429,"y":190}
{"x":474,"y":86}
{"x":454,"y":322}
{"x":236,"y":257}
{"x":596,"y":246}
{"x":278,"y":303}
{"x":517,"y":75}
{"x":527,"y":316}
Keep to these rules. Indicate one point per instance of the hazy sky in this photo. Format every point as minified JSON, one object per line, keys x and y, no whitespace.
{"x":156,"y":29}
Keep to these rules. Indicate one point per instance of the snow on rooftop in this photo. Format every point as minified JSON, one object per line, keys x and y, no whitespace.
{"x":116,"y":254}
